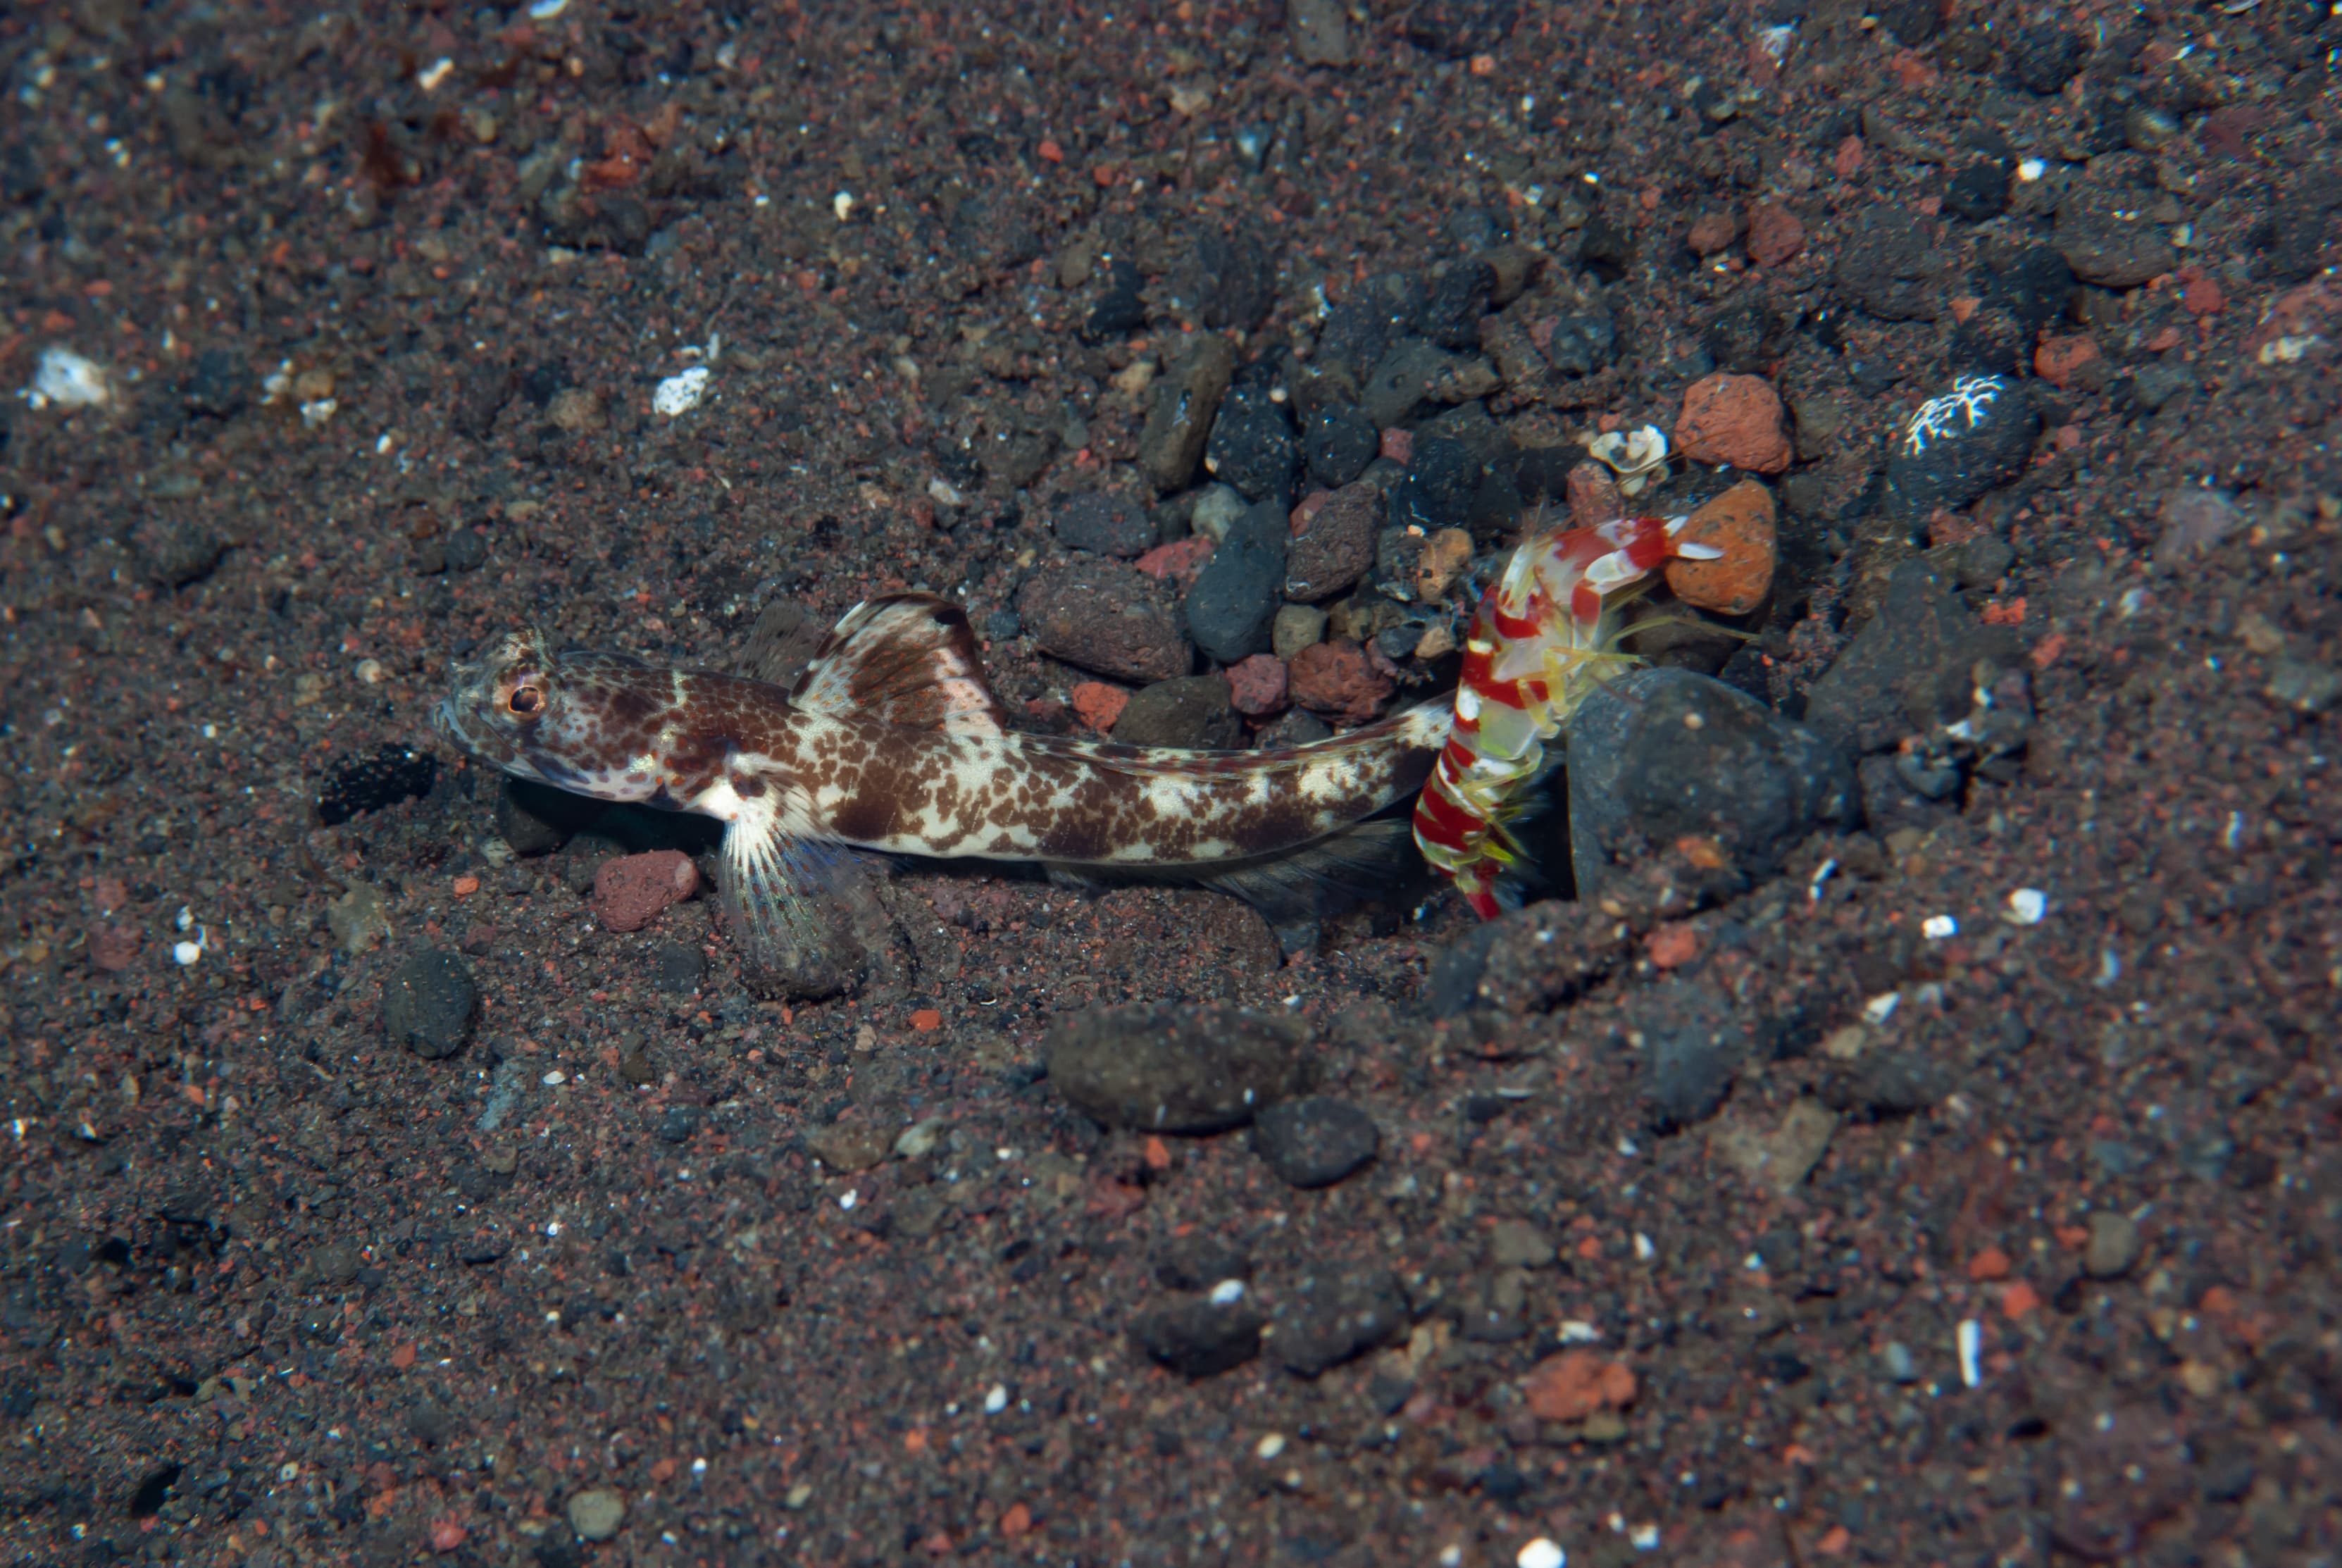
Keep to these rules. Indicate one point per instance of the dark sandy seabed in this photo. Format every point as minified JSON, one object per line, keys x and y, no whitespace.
{"x":1673,"y":1231}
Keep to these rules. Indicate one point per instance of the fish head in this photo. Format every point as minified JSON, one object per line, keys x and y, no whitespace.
{"x":580,"y":721}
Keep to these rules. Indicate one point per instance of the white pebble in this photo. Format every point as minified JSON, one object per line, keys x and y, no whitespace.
{"x":1880,"y":1008}
{"x":1970,"y":1340}
{"x":996,"y":1399}
{"x":1268,"y":1447}
{"x":546,"y":10}
{"x":1228,"y":1292}
{"x":848,"y":1198}
{"x":680,"y":393}
{"x":1643,"y":1251}
{"x":431,"y":75}
{"x":1644,"y":1537}
{"x":187,"y":953}
{"x":1542,"y":1554}
{"x":554,"y":1079}
{"x":842,"y":205}
{"x":2031,"y":169}
{"x":1575,"y":1331}
{"x":68,"y":380}
{"x":369,"y":672}
{"x":1939,"y":927}
{"x":2029,"y":905}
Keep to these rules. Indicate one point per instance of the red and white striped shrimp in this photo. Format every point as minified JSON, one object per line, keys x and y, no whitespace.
{"x":1540,"y":642}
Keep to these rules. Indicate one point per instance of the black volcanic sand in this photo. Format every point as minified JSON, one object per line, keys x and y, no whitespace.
{"x":419,"y":1213}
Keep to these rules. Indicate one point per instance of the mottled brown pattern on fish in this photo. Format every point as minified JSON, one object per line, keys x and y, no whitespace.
{"x":892,"y":741}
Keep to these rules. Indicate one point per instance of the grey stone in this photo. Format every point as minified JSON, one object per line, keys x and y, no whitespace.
{"x":1297,"y":626}
{"x":595,"y":1515}
{"x":537,"y":819}
{"x":1661,"y":754}
{"x":1108,"y":617}
{"x":1217,"y":509}
{"x":1314,"y":1142}
{"x":2113,"y":1247}
{"x":1337,"y":546}
{"x":1331,"y":1320}
{"x":1320,"y":30}
{"x":1187,"y":400}
{"x":2158,"y":384}
{"x":1403,"y":380}
{"x":1890,"y":266}
{"x":1103,"y":523}
{"x":1518,"y":1245}
{"x":1177,"y":1069}
{"x":1693,"y":1045}
{"x":1234,"y":601}
{"x":2106,"y":235}
{"x":1190,"y":714}
{"x":428,"y":1005}
{"x":1911,"y":667}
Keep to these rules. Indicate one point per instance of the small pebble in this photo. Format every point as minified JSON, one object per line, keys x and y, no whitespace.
{"x":595,"y":1515}
{"x":2113,"y":1247}
{"x":1315,"y":1141}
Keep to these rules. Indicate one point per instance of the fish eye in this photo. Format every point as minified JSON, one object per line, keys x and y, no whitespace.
{"x":526,"y":701}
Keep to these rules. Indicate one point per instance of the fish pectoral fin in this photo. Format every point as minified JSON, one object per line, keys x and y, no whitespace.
{"x":799,"y":907}
{"x":909,"y":659}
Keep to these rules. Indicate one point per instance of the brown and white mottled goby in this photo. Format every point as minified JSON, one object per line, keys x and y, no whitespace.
{"x":892,"y":740}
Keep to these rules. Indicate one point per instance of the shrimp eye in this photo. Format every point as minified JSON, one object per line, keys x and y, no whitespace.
{"x":526,"y":701}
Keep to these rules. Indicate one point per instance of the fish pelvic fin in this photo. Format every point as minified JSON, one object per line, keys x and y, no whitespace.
{"x":803,"y":911}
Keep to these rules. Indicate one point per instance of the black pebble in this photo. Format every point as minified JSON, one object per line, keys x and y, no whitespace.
{"x":429,"y":1004}
{"x":219,"y":385}
{"x":381,"y":777}
{"x":1693,"y":1045}
{"x":1582,"y":342}
{"x":1119,"y":309}
{"x":1197,"y":1262}
{"x":1339,"y":445}
{"x":1233,"y":601}
{"x":1441,"y":481}
{"x":1338,"y":1319}
{"x":1972,"y":436}
{"x":2045,"y":58}
{"x":1105,"y":523}
{"x":465,"y":551}
{"x":678,"y":1125}
{"x":1315,"y":1141}
{"x":1251,"y":444}
{"x":677,"y":967}
{"x":1456,"y":301}
{"x":1197,"y":1338}
{"x":1979,"y":190}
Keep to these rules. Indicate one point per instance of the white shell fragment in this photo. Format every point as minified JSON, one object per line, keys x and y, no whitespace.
{"x":1542,"y":1552}
{"x":680,"y":393}
{"x":2027,"y":906}
{"x":68,"y":380}
{"x":1939,"y":927}
{"x":1969,"y":1338}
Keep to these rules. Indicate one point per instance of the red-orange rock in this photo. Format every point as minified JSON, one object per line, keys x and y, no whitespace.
{"x":1575,"y":1383}
{"x":1734,"y":420}
{"x":1335,"y":679}
{"x":1740,"y":524}
{"x":629,"y":892}
{"x":1257,"y":686}
{"x":2063,"y":361}
{"x":1097,"y":704}
{"x":1712,"y":231}
{"x":1594,"y":497}
{"x":1774,"y":235}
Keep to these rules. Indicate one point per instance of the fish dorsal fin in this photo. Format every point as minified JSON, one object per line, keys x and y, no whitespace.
{"x":908,"y":658}
{"x":782,"y":644}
